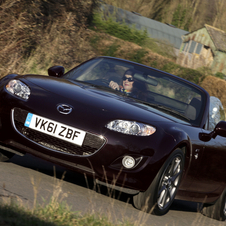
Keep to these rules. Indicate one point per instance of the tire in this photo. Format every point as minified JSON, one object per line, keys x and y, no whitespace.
{"x":5,"y":155}
{"x":216,"y":211}
{"x":158,"y":198}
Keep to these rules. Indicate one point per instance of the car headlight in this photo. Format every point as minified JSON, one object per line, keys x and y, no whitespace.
{"x":18,"y":88}
{"x":131,"y":128}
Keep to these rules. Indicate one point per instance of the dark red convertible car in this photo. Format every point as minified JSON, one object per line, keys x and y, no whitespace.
{"x":152,"y":134}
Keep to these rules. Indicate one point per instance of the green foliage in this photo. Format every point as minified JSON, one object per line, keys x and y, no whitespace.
{"x":220,"y":75}
{"x":154,"y":64}
{"x":205,"y":71}
{"x":138,"y":55}
{"x":188,"y":24}
{"x":53,"y":214}
{"x":94,"y":41}
{"x":119,"y":30}
{"x":106,"y":51}
{"x":111,"y":50}
{"x":162,"y":48}
{"x":176,"y":16}
{"x":179,"y":18}
{"x":195,"y":76}
{"x":190,"y":75}
{"x":169,"y":67}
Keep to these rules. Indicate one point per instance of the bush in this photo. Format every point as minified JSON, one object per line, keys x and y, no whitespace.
{"x":220,"y":75}
{"x":191,"y":75}
{"x":169,"y":67}
{"x":138,"y":55}
{"x":119,"y":30}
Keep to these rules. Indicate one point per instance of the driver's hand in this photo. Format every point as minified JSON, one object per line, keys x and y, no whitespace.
{"x":114,"y":85}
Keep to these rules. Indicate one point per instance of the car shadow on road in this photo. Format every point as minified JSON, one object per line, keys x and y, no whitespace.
{"x":50,"y":169}
{"x":79,"y":179}
{"x":186,"y":206}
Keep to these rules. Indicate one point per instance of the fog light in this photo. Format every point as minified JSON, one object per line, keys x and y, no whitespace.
{"x":128,"y":162}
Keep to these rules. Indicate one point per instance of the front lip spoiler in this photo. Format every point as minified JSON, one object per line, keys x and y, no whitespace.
{"x":11,"y":150}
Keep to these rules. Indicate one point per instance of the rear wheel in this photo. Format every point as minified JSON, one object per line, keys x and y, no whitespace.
{"x":5,"y":155}
{"x":158,"y":198}
{"x":216,"y":211}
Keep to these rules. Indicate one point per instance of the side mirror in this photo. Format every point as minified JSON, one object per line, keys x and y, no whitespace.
{"x":56,"y":71}
{"x":219,"y":130}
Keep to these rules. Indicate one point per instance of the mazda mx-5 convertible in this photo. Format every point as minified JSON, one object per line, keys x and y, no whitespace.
{"x":152,"y":134}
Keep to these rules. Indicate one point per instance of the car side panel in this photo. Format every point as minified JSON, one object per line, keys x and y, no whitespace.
{"x":212,"y":167}
{"x":206,"y":171}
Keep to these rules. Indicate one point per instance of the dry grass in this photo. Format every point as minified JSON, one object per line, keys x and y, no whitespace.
{"x":215,"y":87}
{"x":14,"y":211}
{"x":46,"y":31}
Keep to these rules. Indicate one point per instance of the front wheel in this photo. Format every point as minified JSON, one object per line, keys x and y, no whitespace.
{"x":158,"y":198}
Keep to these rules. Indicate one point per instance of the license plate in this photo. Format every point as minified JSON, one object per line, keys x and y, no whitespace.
{"x":55,"y":129}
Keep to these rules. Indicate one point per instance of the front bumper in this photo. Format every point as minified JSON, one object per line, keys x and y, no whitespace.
{"x":92,"y":143}
{"x":97,"y":158}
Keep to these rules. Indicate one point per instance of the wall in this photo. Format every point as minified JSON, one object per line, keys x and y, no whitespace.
{"x":207,"y":56}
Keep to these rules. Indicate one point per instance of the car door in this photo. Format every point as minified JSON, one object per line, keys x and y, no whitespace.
{"x":211,"y":166}
{"x":211,"y":169}
{"x":196,"y":154}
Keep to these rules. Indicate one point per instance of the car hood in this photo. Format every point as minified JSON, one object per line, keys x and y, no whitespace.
{"x":87,"y":96}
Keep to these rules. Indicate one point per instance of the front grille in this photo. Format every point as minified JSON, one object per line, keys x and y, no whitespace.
{"x":91,"y":144}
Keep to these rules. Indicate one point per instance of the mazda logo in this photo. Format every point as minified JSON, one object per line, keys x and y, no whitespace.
{"x":64,"y":109}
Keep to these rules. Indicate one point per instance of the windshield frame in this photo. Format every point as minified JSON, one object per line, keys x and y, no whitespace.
{"x":80,"y":69}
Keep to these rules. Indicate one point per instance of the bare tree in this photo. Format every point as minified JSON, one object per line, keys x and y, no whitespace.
{"x":219,"y":20}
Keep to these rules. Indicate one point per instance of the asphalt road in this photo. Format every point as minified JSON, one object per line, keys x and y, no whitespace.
{"x":30,"y":180}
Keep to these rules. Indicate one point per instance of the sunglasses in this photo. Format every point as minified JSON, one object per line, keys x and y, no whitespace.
{"x":130,"y":79}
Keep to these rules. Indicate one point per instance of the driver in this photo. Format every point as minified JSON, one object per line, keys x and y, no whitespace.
{"x":127,"y":83}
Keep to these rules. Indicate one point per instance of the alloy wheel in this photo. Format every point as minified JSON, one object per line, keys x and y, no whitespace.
{"x":169,"y":183}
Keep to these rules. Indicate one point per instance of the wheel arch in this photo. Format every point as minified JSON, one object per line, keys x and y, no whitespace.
{"x":186,"y":148}
{"x":175,"y":139}
{"x":147,"y":200}
{"x":182,"y":141}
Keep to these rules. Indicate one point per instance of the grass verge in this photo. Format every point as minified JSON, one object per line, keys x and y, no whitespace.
{"x":56,"y":212}
{"x":52,"y":214}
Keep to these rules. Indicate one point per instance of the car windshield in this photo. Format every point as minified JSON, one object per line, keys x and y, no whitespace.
{"x":151,"y":87}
